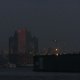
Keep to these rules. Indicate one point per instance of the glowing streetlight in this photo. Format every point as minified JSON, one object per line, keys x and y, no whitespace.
{"x":57,"y":54}
{"x":56,"y":49}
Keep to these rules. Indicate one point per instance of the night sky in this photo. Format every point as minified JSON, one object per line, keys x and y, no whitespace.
{"x":46,"y":19}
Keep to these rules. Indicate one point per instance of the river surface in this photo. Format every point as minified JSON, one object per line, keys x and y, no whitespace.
{"x":28,"y":74}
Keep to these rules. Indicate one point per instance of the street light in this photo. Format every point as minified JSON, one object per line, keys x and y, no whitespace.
{"x":56,"y":49}
{"x":57,"y":54}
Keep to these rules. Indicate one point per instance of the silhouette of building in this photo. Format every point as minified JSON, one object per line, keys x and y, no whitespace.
{"x":21,"y":46}
{"x":35,"y":45}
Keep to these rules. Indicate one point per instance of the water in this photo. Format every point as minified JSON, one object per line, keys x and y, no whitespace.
{"x":28,"y":74}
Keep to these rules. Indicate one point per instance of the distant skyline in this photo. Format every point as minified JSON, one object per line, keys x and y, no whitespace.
{"x":46,"y":19}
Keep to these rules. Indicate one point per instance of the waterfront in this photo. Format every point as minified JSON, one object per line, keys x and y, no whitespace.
{"x":28,"y":74}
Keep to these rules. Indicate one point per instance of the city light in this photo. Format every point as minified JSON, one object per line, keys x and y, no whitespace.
{"x":57,"y":54}
{"x":56,"y":49}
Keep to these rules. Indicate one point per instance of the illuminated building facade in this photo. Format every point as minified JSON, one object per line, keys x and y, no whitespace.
{"x":21,"y":34}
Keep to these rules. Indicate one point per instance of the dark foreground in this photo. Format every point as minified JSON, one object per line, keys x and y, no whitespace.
{"x":28,"y":74}
{"x":60,"y":63}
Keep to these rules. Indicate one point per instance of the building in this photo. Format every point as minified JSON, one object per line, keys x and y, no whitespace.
{"x":21,"y":46}
{"x":35,"y":45}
